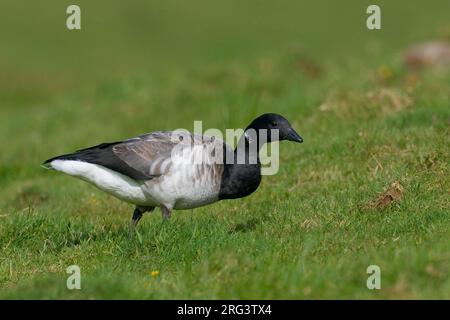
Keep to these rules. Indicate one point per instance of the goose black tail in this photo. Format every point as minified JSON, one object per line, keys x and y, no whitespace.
{"x":103,"y":155}
{"x":92,"y":155}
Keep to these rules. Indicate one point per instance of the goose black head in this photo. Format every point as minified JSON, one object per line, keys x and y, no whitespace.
{"x":272,"y":121}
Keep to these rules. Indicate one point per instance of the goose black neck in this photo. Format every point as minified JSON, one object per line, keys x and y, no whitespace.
{"x":247,"y":149}
{"x":242,"y":169}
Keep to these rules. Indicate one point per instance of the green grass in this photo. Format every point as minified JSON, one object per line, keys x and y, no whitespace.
{"x":307,"y":232}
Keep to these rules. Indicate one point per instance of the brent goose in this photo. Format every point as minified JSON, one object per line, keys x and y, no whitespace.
{"x":157,"y":169}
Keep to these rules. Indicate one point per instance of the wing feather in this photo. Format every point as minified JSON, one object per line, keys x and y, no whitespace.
{"x":151,"y":153}
{"x":141,"y":153}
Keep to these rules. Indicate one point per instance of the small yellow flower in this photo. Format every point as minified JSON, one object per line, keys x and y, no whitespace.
{"x":154,"y":273}
{"x":385,"y":73}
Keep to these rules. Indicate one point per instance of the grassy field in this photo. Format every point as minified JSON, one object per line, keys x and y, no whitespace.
{"x":369,"y":186}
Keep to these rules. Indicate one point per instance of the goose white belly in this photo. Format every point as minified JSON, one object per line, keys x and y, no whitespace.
{"x":107,"y":180}
{"x":185,"y":186}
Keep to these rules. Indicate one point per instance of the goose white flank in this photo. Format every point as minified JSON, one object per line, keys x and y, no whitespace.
{"x":147,"y":172}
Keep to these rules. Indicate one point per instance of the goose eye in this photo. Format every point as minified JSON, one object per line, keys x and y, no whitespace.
{"x":273,"y":123}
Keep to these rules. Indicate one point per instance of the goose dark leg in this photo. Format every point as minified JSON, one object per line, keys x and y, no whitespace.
{"x":165,"y":212}
{"x":137,"y":214}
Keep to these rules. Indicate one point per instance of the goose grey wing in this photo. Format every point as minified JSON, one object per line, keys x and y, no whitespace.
{"x":148,"y":154}
{"x":102,"y":154}
{"x":151,"y":154}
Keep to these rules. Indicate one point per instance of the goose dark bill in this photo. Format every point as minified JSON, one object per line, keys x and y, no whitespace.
{"x":294,"y":136}
{"x":156,"y":170}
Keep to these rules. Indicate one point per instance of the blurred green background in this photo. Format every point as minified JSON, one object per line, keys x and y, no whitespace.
{"x":38,"y":55}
